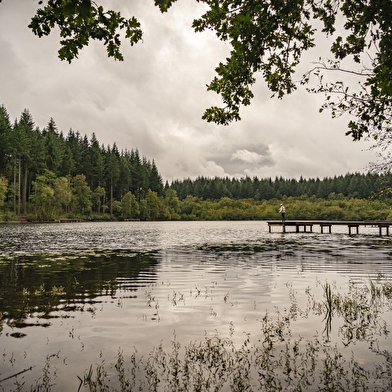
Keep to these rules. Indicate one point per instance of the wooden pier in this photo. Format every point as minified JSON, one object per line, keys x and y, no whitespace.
{"x":304,"y":226}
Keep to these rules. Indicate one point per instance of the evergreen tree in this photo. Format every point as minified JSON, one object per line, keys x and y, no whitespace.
{"x":74,"y":142}
{"x":139,"y":176}
{"x":112,"y":172}
{"x":155,"y":180}
{"x":88,"y":165}
{"x":98,"y":163}
{"x":5,"y":147}
{"x":54,"y":147}
{"x":68,"y":164}
{"x":124,"y":180}
{"x":37,"y":155}
{"x":23,"y":130}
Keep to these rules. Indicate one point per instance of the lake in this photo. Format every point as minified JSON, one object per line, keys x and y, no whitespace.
{"x":75,"y":295}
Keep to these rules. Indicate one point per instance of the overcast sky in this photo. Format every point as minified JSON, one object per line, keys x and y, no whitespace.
{"x":154,"y":100}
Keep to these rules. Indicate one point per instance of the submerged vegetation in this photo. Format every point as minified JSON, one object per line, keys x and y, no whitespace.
{"x":278,"y":358}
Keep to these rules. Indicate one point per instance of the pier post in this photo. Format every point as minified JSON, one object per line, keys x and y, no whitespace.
{"x":380,"y":226}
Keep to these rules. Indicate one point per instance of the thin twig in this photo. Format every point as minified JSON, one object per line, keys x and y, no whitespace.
{"x":17,"y":374}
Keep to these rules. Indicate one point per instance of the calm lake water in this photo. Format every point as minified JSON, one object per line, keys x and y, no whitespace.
{"x":77,"y":293}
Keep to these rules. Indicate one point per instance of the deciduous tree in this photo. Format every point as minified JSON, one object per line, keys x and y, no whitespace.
{"x":153,"y":203}
{"x":62,"y":194}
{"x":81,"y":194}
{"x":3,"y":190}
{"x":43,"y":198}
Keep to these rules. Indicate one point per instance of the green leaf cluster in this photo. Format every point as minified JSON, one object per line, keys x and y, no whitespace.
{"x":267,"y":37}
{"x":82,"y":20}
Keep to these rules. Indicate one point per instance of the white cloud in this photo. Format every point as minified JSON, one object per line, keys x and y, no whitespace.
{"x":247,"y":156}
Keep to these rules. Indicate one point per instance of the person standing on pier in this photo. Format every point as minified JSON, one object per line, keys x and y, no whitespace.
{"x":282,"y":211}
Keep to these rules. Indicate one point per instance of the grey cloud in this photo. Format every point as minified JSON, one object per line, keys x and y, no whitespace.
{"x":241,"y":159}
{"x":154,"y":101}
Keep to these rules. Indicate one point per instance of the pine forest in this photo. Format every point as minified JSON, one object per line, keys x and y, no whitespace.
{"x":48,"y":176}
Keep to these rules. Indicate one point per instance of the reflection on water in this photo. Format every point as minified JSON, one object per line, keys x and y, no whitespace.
{"x":78,"y":292}
{"x":47,"y":284}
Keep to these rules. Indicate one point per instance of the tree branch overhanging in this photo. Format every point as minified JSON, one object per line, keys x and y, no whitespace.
{"x":267,"y":37}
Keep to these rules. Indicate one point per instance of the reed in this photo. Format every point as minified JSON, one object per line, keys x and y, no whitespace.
{"x":277,"y":359}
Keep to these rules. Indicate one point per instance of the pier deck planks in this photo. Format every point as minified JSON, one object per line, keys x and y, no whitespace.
{"x":303,"y":226}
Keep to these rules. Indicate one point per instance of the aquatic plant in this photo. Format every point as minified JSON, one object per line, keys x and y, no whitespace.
{"x":276,"y":363}
{"x":276,"y":359}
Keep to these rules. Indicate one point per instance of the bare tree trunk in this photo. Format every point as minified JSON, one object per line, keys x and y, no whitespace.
{"x":24,"y":199}
{"x":111,"y":198}
{"x":19,"y":183}
{"x":14,"y":190}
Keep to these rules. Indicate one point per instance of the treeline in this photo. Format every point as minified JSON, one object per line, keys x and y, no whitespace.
{"x":356,"y":185}
{"x":336,"y":208}
{"x":45,"y":175}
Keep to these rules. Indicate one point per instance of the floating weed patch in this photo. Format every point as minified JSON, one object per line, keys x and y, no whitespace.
{"x":41,"y":291}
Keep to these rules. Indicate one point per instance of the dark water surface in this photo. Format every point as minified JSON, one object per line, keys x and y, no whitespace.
{"x":76,"y":293}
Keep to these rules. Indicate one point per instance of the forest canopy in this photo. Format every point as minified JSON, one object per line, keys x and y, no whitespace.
{"x":46,"y":175}
{"x":267,"y":37}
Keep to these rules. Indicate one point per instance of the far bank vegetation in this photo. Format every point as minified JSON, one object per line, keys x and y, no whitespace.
{"x":46,"y":176}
